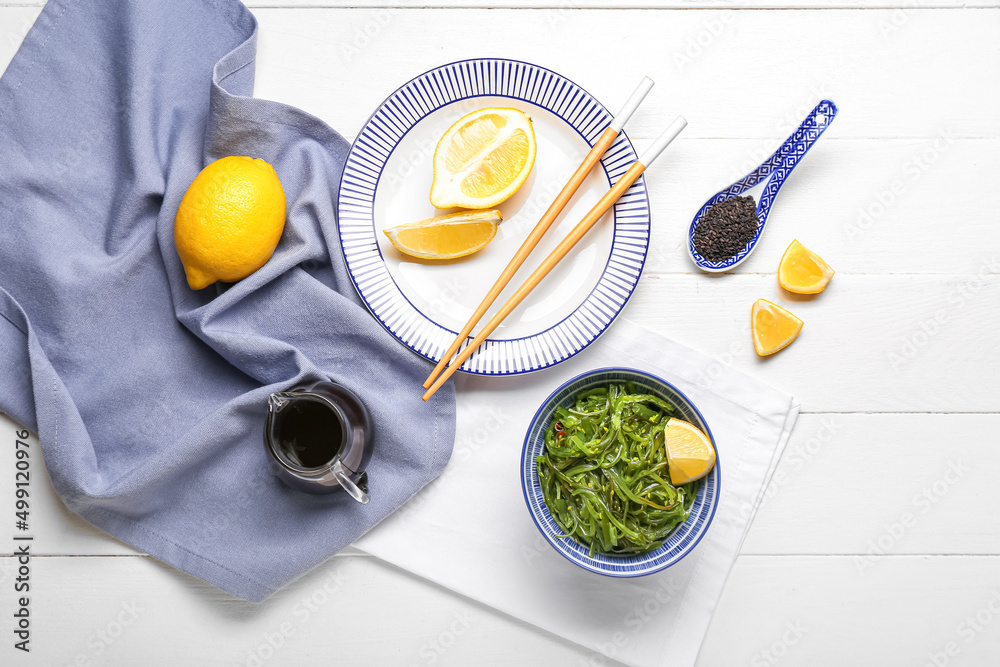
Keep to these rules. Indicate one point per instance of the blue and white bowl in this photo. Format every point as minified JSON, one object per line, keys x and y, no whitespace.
{"x":680,"y":542}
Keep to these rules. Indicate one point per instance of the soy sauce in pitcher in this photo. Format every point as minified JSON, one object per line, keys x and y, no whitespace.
{"x":320,"y":439}
{"x":309,"y":433}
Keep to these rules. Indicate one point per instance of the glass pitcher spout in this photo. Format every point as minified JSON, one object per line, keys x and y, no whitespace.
{"x":278,"y":401}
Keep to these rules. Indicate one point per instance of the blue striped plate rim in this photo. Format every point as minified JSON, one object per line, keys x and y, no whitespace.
{"x":403,"y":110}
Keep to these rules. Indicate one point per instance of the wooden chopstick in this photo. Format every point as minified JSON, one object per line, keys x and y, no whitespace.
{"x":599,"y":148}
{"x":577,"y":233}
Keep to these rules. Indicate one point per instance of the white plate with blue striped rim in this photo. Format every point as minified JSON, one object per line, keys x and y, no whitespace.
{"x":386,"y":182}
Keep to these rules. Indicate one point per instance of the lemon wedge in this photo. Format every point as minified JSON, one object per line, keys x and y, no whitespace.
{"x":802,"y":271}
{"x":446,"y":236}
{"x":690,"y":454}
{"x":774,"y":328}
{"x":483,"y":158}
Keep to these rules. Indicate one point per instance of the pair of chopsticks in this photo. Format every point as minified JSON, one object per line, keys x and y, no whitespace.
{"x":444,"y":369}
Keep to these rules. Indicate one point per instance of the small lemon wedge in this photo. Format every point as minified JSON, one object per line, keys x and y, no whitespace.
{"x":483,"y":158}
{"x":690,"y":454}
{"x":802,"y":271}
{"x":774,"y":328}
{"x":446,"y":236}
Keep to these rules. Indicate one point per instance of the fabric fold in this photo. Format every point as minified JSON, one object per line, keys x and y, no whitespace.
{"x":149,"y":398}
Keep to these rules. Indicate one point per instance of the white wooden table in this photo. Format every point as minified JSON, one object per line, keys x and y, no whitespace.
{"x":879,"y":540}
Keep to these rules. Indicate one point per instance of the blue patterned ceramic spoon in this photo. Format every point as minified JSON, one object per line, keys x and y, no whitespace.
{"x":775,"y":169}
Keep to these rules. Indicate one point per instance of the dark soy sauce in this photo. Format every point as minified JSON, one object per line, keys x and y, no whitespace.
{"x":309,"y":433}
{"x":319,"y":439}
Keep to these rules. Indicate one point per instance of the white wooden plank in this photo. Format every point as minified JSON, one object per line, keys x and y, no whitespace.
{"x":866,"y":206}
{"x":900,"y":613}
{"x":894,"y":343}
{"x":911,"y":82}
{"x":868,"y":485}
{"x":349,"y":611}
{"x":15,"y":22}
{"x":114,"y":610}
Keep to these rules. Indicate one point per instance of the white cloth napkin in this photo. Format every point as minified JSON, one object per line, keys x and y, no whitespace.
{"x":470,"y":530}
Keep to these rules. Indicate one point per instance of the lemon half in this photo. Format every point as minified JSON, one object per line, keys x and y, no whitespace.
{"x":483,"y":158}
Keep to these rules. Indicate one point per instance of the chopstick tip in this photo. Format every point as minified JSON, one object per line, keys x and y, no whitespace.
{"x":661,"y":142}
{"x":631,"y":104}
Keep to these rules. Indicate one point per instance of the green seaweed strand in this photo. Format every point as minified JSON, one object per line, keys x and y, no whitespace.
{"x":602,"y":471}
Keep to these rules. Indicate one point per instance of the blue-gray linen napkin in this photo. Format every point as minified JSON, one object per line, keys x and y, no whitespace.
{"x":149,"y":398}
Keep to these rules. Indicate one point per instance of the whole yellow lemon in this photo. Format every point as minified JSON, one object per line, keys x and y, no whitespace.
{"x":229,"y":221}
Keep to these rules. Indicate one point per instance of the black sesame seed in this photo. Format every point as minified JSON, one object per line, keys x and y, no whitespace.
{"x":726,"y":228}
